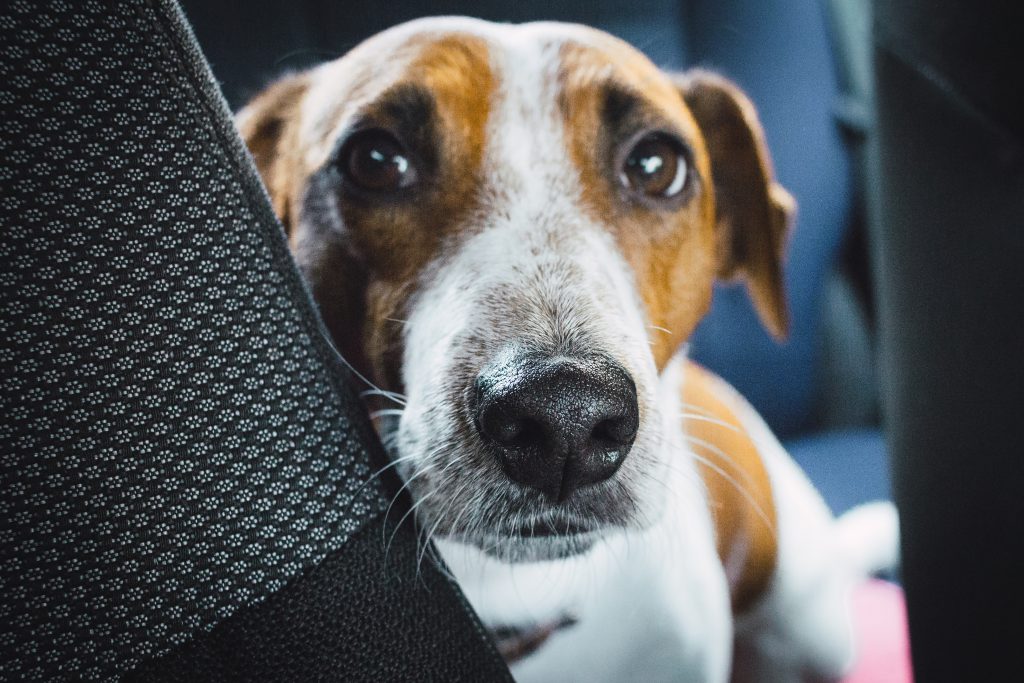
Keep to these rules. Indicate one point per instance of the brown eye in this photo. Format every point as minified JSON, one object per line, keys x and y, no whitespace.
{"x":374,"y":160}
{"x":656,"y":167}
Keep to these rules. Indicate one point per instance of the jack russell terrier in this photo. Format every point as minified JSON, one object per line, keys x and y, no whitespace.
{"x":513,"y":230}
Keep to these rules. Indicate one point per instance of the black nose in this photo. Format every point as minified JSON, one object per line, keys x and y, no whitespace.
{"x":557,"y":424}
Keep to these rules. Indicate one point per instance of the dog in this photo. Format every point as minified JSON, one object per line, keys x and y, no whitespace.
{"x":511,"y":232}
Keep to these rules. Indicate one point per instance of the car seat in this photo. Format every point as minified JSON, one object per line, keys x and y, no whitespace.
{"x":186,"y":469}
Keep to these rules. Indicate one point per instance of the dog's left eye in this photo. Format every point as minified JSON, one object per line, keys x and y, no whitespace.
{"x":374,"y":160}
{"x":656,"y":167}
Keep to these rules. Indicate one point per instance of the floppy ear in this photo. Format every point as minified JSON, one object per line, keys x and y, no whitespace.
{"x":753,"y":212}
{"x":268,"y":124}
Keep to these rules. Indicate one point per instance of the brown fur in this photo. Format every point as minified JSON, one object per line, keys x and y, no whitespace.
{"x":739,"y":491}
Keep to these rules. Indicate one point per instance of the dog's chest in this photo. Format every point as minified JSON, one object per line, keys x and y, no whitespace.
{"x":643,"y":606}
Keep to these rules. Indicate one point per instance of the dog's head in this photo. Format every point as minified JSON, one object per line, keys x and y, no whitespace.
{"x":517,"y":227}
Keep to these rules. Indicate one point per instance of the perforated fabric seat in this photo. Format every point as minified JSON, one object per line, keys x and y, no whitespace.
{"x":182,"y":463}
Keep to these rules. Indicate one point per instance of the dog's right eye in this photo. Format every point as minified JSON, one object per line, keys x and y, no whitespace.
{"x":656,"y":168}
{"x":375,"y":161}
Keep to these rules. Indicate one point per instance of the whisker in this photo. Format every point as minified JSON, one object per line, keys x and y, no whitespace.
{"x":458,"y":518}
{"x":391,"y":395}
{"x":740,"y":489}
{"x":412,"y":508}
{"x":368,"y":383}
{"x":700,"y":410}
{"x":405,"y":485}
{"x":439,"y":564}
{"x":713,"y":420}
{"x":715,"y":450}
{"x":426,"y":468}
{"x":386,"y":412}
{"x":379,"y":472}
{"x":426,"y":541}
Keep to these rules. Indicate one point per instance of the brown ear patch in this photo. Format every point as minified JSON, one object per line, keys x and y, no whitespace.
{"x":753,"y":212}
{"x":268,"y":125}
{"x":737,"y":484}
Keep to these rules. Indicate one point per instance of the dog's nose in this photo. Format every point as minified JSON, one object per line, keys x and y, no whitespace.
{"x":557,"y":424}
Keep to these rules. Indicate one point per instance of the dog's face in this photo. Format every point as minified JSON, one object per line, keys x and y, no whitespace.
{"x":516,"y":227}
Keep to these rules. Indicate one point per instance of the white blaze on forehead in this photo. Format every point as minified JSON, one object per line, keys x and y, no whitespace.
{"x":538,"y":192}
{"x":525,"y":148}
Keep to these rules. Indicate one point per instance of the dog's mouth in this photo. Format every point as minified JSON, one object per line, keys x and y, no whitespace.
{"x":550,"y":535}
{"x":538,"y":543}
{"x":548,"y":528}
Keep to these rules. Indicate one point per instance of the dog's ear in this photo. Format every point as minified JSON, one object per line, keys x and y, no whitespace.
{"x":753,"y":212}
{"x":267,"y":125}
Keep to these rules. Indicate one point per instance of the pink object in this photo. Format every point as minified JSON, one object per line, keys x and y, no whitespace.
{"x":880,"y":618}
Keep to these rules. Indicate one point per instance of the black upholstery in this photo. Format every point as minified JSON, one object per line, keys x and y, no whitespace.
{"x":341,"y":622}
{"x":182,"y":463}
{"x":949,"y":243}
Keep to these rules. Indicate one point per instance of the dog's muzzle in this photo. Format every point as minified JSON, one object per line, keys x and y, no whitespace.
{"x":556,"y":424}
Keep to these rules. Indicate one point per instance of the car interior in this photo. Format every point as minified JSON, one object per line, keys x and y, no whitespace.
{"x":186,"y":460}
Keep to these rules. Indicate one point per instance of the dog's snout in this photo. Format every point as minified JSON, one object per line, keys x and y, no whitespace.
{"x":558,"y":424}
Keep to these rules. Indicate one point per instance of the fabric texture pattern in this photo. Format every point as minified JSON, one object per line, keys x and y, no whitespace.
{"x":177,"y":440}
